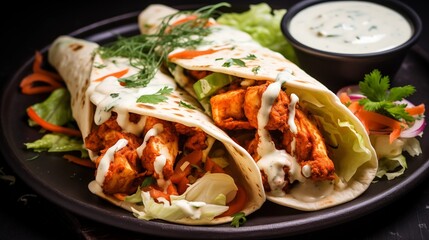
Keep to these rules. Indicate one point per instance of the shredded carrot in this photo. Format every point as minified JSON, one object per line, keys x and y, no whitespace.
{"x":182,"y":185}
{"x":120,"y":196}
{"x":115,"y":74}
{"x":416,"y":110}
{"x":237,"y":204}
{"x":156,"y":193}
{"x":182,"y":172}
{"x":37,"y":67}
{"x":211,"y":166}
{"x":344,"y":98}
{"x":355,"y":107}
{"x":80,"y":161}
{"x":183,"y":20}
{"x":187,"y":19}
{"x":30,"y":84}
{"x":49,"y":126}
{"x":189,"y":54}
{"x":366,"y":117}
{"x":41,"y":80}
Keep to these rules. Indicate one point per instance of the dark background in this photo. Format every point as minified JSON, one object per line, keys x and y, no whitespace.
{"x":27,"y":27}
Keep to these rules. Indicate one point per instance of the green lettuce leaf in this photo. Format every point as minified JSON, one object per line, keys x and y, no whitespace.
{"x":55,"y":109}
{"x":263,"y":24}
{"x":205,"y":199}
{"x":55,"y":142}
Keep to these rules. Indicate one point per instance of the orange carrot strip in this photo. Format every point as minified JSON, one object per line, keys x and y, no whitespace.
{"x":172,"y":190}
{"x":211,"y":166}
{"x":237,"y":204}
{"x":80,"y":161}
{"x":367,"y":116}
{"x":193,"y":158}
{"x":29,"y":84}
{"x":182,"y":185}
{"x":344,"y":98}
{"x":189,"y":54}
{"x":115,"y":74}
{"x":49,"y":126}
{"x":416,"y":110}
{"x":37,"y":67}
{"x":187,"y":19}
{"x":183,"y":20}
{"x":155,"y":193}
{"x":374,"y":125}
{"x":355,"y":107}
{"x":120,"y":196}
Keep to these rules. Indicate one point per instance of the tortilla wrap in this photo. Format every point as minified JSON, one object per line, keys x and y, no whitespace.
{"x":95,"y":99}
{"x":234,"y":55}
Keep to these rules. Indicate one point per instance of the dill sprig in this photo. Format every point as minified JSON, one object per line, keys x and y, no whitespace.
{"x":147,"y":52}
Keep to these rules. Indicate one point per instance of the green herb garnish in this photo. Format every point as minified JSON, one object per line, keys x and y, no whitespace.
{"x":250,"y":57}
{"x":147,"y":52}
{"x":234,"y":61}
{"x":382,"y":99}
{"x":238,"y":219}
{"x":114,"y":95}
{"x":157,"y":97}
{"x":256,"y":69}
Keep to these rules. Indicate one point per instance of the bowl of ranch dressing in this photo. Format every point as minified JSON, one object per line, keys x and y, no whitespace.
{"x":339,"y":41}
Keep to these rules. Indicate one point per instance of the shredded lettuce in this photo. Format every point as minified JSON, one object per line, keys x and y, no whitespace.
{"x":392,"y":162}
{"x":263,"y":24}
{"x":55,"y":109}
{"x":205,"y":199}
{"x":391,"y":167}
{"x":55,"y":142}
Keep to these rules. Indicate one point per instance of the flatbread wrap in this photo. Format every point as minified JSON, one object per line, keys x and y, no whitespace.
{"x":156,"y":153}
{"x":312,"y":152}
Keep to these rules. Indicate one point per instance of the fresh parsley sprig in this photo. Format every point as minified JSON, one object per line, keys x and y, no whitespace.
{"x":382,"y":99}
{"x":157,"y":97}
{"x":238,"y":219}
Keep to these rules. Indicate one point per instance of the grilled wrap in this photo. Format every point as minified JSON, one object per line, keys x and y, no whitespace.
{"x":312,"y":152}
{"x":157,"y":154}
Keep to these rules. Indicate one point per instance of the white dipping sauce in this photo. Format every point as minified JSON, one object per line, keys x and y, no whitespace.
{"x":350,"y":27}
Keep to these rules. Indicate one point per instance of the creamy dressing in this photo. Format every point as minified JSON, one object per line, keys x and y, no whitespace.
{"x":291,"y":120}
{"x":273,"y":160}
{"x":191,"y":209}
{"x":109,"y":95}
{"x":123,"y":121}
{"x":350,"y":27}
{"x":155,"y":130}
{"x":108,"y":157}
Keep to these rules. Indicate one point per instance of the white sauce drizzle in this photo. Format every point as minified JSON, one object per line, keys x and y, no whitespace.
{"x":127,"y":125}
{"x":192,"y":209}
{"x":155,"y":130}
{"x":109,"y":95}
{"x":107,"y":158}
{"x":273,"y":160}
{"x":291,"y":120}
{"x":160,"y":160}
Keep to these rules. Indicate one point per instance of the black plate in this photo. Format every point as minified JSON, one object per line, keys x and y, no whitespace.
{"x":66,"y":184}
